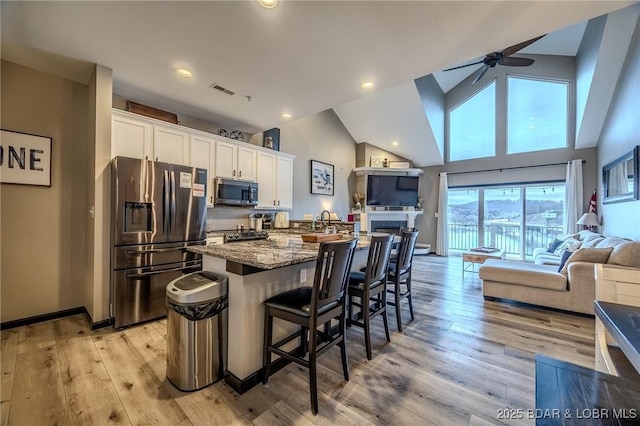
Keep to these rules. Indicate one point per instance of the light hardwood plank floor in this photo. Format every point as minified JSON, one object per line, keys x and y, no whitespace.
{"x":459,"y":362}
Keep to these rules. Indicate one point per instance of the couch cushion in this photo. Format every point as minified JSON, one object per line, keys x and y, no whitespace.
{"x":522,"y":273}
{"x":592,"y":255}
{"x":547,"y":259}
{"x":592,"y":242}
{"x":626,"y":254}
{"x":611,"y":242}
{"x":565,"y":256}
{"x":587,"y":236}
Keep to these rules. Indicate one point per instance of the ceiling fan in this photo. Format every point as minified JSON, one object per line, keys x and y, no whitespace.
{"x":502,"y":58}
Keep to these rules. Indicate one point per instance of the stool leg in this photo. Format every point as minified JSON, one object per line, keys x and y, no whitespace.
{"x":343,"y":346}
{"x":313,"y":384}
{"x":385,"y":320}
{"x":409,"y":296}
{"x":396,"y":295}
{"x":266,"y":356}
{"x":367,"y":327}
{"x":350,"y":301}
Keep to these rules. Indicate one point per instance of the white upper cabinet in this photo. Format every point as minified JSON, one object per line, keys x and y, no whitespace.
{"x":284,"y":182}
{"x":130,"y":137}
{"x":234,"y":161}
{"x":170,"y":145}
{"x":275,"y":180}
{"x":202,"y":155}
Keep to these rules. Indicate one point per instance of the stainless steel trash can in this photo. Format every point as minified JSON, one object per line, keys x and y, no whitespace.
{"x":197,"y":329}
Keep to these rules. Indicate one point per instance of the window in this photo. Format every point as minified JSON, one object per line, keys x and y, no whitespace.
{"x":536,"y":114}
{"x":472,"y":126}
{"x":482,"y":216}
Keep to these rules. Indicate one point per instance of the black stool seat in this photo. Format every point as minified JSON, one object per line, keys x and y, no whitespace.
{"x":297,"y":301}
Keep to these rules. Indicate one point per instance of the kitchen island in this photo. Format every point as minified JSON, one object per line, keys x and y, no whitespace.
{"x":258,"y":270}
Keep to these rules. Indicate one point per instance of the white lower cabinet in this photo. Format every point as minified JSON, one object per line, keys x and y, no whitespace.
{"x":275,"y":180}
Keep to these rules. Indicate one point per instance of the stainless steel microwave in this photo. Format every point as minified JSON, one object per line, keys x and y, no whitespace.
{"x":236,"y":193}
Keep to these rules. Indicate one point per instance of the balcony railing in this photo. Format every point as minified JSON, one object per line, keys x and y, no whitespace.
{"x":507,"y":237}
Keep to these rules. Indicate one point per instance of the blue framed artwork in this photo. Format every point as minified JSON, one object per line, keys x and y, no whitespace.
{"x":271,"y":139}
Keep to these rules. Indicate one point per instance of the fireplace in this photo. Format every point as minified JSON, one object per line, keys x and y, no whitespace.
{"x":388,"y":226}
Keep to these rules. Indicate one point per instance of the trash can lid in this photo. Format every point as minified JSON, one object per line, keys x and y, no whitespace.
{"x":197,"y":287}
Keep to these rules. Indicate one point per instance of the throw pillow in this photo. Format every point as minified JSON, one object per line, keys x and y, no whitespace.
{"x":565,"y":256}
{"x":592,"y":242}
{"x":554,"y":245}
{"x":592,"y":255}
{"x":570,"y":244}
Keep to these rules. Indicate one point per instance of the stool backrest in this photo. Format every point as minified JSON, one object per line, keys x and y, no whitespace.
{"x":378,"y":261}
{"x":405,"y":251}
{"x":332,"y":273}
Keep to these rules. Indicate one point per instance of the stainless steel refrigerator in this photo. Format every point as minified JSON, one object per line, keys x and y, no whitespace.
{"x":158,"y":210}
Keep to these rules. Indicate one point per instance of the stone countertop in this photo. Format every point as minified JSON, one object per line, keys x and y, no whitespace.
{"x":279,"y":250}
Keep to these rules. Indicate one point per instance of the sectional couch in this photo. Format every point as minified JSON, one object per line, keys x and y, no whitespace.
{"x":570,"y":287}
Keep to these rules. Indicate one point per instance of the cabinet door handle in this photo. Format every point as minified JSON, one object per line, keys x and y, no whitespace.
{"x":278,"y":202}
{"x":274,"y":202}
{"x":240,"y":173}
{"x":156,"y":158}
{"x":233,"y":174}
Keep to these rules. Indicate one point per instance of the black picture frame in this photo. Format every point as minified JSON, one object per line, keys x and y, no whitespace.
{"x":626,"y":167}
{"x":28,"y":158}
{"x":322,"y":178}
{"x":271,"y":139}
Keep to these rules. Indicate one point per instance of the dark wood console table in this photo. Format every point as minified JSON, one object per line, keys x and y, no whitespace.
{"x":568,"y":394}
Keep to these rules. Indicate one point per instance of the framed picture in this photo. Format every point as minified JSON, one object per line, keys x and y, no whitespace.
{"x":26,"y":159}
{"x":271,"y":139}
{"x":399,"y":164}
{"x":321,"y":178}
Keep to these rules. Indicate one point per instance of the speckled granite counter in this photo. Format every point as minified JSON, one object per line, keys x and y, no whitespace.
{"x":279,"y":250}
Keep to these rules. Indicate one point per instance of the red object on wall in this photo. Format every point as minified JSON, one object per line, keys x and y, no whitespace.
{"x":593,"y":203}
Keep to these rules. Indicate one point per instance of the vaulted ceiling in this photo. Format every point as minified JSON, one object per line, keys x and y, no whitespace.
{"x":301,"y":57}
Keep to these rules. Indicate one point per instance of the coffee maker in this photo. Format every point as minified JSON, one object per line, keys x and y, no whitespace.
{"x":267,"y":220}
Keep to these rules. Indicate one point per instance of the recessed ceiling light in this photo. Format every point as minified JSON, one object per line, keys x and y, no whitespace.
{"x":367,"y":85}
{"x":268,"y":4}
{"x":394,"y":143}
{"x":183,"y":72}
{"x":286,"y":116}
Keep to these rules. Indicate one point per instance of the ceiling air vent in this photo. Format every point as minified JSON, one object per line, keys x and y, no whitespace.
{"x":222,"y":89}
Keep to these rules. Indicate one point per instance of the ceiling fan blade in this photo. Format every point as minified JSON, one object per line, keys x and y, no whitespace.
{"x":517,"y":47}
{"x":462,"y":66}
{"x":482,"y":72}
{"x":516,"y":62}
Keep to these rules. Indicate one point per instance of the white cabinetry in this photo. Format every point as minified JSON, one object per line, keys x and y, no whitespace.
{"x":615,"y":284}
{"x":170,"y":145}
{"x":275,"y":180}
{"x":203,"y":156}
{"x":138,"y":137}
{"x":130,"y":137}
{"x":234,"y":161}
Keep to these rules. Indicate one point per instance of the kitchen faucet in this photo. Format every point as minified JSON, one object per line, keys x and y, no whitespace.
{"x":322,"y":217}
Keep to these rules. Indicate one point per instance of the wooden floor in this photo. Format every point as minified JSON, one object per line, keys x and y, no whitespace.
{"x":458,"y":363}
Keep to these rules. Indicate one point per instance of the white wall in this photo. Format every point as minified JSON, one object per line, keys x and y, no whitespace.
{"x":320,"y":137}
{"x":620,"y":134}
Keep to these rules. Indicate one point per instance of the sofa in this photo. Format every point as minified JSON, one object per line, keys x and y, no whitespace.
{"x":550,"y":283}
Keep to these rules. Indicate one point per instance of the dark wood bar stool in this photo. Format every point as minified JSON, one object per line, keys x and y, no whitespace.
{"x":399,"y":276}
{"x":370,"y":288}
{"x":310,"y":307}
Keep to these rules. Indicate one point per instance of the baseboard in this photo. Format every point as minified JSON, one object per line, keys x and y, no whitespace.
{"x":44,"y":317}
{"x":243,"y":385}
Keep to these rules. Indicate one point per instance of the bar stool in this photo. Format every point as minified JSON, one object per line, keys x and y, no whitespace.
{"x":310,"y":307}
{"x":370,"y":288}
{"x":399,"y":276}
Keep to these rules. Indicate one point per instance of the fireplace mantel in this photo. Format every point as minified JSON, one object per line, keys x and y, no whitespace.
{"x":408,"y":216}
{"x":362,"y":171}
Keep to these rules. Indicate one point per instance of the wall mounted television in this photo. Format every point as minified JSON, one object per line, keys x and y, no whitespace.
{"x":385,"y":190}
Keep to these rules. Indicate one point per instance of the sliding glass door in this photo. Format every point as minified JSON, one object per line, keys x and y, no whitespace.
{"x":516,"y":218}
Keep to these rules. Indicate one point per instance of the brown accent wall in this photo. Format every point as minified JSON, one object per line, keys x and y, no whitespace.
{"x":43,"y":229}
